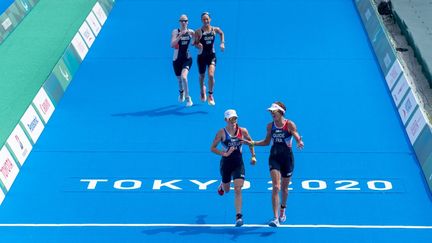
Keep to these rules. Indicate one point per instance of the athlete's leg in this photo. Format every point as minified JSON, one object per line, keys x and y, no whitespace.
{"x":184,"y":80}
{"x":276,"y":182}
{"x":238,"y":201}
{"x":202,"y":87}
{"x":226,"y":186}
{"x":284,"y":190}
{"x":286,"y":171}
{"x":238,"y":184}
{"x":181,"y":90}
{"x":284,"y":197}
{"x":211,"y":83}
{"x":211,"y":77}
{"x":201,"y":70}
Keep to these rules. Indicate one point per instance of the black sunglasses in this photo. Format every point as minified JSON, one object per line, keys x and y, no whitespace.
{"x":183,"y":20}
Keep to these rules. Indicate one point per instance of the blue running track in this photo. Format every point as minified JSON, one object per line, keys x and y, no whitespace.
{"x":121,"y":160}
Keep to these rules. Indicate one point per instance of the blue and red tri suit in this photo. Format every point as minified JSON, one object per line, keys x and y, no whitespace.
{"x":281,"y":155}
{"x":232,"y":166}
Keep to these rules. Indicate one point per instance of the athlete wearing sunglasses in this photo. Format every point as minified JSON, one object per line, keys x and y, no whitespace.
{"x":182,"y":60}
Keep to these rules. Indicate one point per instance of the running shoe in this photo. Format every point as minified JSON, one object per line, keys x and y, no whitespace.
{"x":220,"y":190}
{"x":189,"y":102}
{"x":211,"y":100}
{"x":274,"y":223}
{"x":239,"y":222}
{"x":181,"y":97}
{"x":282,"y":215}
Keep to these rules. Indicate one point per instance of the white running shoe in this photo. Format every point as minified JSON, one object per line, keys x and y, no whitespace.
{"x":282,"y":215}
{"x":239,"y":222}
{"x":211,"y":100}
{"x":274,"y":223}
{"x":189,"y":102}
{"x":181,"y":97}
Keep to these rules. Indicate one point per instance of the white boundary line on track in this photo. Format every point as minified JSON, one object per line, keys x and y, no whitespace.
{"x":227,"y":225}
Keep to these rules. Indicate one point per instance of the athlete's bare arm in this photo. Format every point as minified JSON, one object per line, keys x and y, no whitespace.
{"x":222,"y":37}
{"x":198,"y":34}
{"x":251,"y":147}
{"x":293,"y":129}
{"x":216,"y":140}
{"x":174,"y":38}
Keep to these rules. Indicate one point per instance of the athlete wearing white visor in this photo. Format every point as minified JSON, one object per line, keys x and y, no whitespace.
{"x":281,"y":160}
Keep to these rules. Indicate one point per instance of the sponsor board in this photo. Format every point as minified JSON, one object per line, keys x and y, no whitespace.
{"x":19,"y":144}
{"x":387,"y":59}
{"x":393,"y":74}
{"x":2,"y":196}
{"x":87,"y":34}
{"x":93,"y":23}
{"x":407,"y":107}
{"x":6,"y":23}
{"x":62,"y":73}
{"x":400,"y":90}
{"x":8,"y":168}
{"x":100,"y":13}
{"x":427,"y":170}
{"x":44,"y":105}
{"x":32,"y":123}
{"x":71,"y":60}
{"x":80,"y":46}
{"x":25,"y":5}
{"x":415,"y":126}
{"x":367,"y":14}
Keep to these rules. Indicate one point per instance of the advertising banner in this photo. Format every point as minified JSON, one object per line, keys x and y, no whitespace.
{"x":32,"y":124}
{"x":80,"y":46}
{"x":87,"y":34}
{"x":93,"y":23}
{"x":415,"y":126}
{"x":407,"y":107}
{"x":393,"y":74}
{"x":2,"y":196}
{"x":44,"y":105}
{"x":6,"y":23}
{"x":100,"y":13}
{"x":427,"y":170}
{"x":62,"y":73}
{"x":19,"y":144}
{"x":400,"y":90}
{"x":8,"y":168}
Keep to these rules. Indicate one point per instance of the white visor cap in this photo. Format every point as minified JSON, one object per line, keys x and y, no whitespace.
{"x":276,"y":107}
{"x":230,"y":113}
